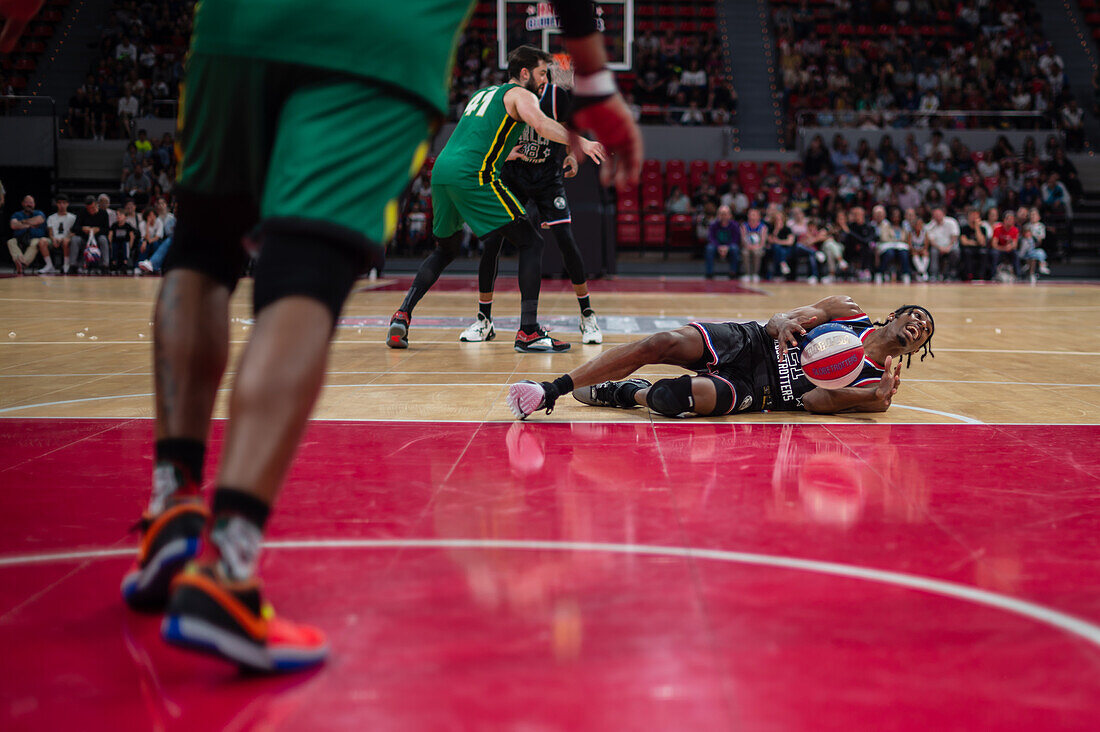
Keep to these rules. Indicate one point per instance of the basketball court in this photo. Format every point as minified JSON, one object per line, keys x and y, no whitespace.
{"x":935,"y":566}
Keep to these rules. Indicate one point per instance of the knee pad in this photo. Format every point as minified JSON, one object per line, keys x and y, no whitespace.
{"x":310,"y":258}
{"x":208,"y":239}
{"x":723,"y":396}
{"x":671,"y":397}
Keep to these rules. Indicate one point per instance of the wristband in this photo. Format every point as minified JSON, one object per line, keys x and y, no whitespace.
{"x":599,"y":84}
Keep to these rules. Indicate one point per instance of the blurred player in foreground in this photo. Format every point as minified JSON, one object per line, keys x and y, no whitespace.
{"x":742,"y":367}
{"x":287,"y":120}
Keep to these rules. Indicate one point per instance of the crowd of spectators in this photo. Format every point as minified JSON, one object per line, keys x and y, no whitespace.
{"x":908,"y":191}
{"x":137,"y":71}
{"x":678,"y":79}
{"x":96,"y":239}
{"x":908,"y":60}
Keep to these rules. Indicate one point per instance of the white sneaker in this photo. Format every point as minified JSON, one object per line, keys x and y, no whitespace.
{"x":65,"y":268}
{"x":48,"y":269}
{"x":906,"y":279}
{"x":1044,"y":268}
{"x":878,"y":278}
{"x":811,"y":280}
{"x":1034,"y":278}
{"x":145,"y":266}
{"x":784,"y":268}
{"x":827,"y":280}
{"x":590,"y":330}
{"x":756,"y":278}
{"x":480,"y":330}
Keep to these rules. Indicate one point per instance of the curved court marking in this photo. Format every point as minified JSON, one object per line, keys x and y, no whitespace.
{"x":961,"y":418}
{"x":1068,"y":623}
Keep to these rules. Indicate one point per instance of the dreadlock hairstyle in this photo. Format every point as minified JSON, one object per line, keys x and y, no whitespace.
{"x":926,"y":349}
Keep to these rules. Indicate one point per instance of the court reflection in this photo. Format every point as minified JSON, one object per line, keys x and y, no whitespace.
{"x":560,"y":483}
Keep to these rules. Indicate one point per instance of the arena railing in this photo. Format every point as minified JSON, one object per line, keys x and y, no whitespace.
{"x":28,"y":127}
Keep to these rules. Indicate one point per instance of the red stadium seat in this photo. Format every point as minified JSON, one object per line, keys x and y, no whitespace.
{"x":772,"y":168}
{"x":676,"y":178}
{"x":628,"y":230}
{"x":675,"y":166}
{"x":681,"y":232}
{"x":747,"y":167}
{"x":651,"y":165}
{"x":654,"y":230}
{"x":627,"y":204}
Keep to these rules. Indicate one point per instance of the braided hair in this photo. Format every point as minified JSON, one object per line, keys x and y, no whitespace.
{"x":926,"y":349}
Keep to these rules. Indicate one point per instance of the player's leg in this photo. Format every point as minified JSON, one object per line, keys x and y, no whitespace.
{"x":190,"y":329}
{"x":447,"y":230}
{"x":684,"y":396}
{"x":328,"y":132}
{"x":482,"y":328}
{"x":574,"y":267}
{"x":684,"y":347}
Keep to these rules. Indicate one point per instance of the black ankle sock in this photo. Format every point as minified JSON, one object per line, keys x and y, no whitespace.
{"x":624,"y":394}
{"x":559,"y":386}
{"x":486,"y":309}
{"x":586,"y":307}
{"x":230,"y":501}
{"x":186,"y":454}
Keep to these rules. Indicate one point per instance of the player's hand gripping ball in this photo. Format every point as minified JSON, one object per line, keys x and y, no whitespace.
{"x":832,"y":356}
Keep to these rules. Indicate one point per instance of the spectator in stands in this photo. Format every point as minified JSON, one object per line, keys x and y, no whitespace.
{"x":692,"y":116}
{"x":80,"y":115}
{"x":1055,"y":198}
{"x":974,"y":247}
{"x":835,"y":263}
{"x":29,"y":235}
{"x":917,"y":237}
{"x":817,"y":162}
{"x":678,"y":202}
{"x":842,"y":158}
{"x":721,"y":100}
{"x":1032,"y":235}
{"x":1067,"y":172}
{"x":860,"y":240}
{"x":152,"y":235}
{"x":780,"y":243}
{"x":754,"y":241}
{"x":123,"y":240}
{"x":892,"y":245}
{"x":126,"y":51}
{"x":128,"y":109}
{"x":723,"y":242}
{"x":943,"y":240}
{"x":693,"y":81}
{"x":60,"y":228}
{"x":105,"y":205}
{"x":137,"y":185}
{"x":143,"y":145}
{"x":155,"y":263}
{"x":91,"y":228}
{"x":735,"y":199}
{"x":805,"y":246}
{"x":1006,"y":248}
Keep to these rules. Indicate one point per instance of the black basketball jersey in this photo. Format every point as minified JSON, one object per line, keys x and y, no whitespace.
{"x":545,"y":156}
{"x":789,"y":383}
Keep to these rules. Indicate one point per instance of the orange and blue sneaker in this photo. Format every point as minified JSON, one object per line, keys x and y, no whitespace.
{"x":169,"y":540}
{"x":231,"y":621}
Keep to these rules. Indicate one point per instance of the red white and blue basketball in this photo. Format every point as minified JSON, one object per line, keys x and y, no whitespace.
{"x":832,"y":356}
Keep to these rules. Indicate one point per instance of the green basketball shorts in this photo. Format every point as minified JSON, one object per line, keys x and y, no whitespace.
{"x":299,"y":142}
{"x":485,"y":208}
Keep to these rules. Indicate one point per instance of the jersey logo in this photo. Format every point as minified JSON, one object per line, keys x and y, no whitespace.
{"x":559,"y":203}
{"x":745,"y":403}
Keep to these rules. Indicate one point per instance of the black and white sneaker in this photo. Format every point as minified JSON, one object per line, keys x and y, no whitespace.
{"x":480,"y":330}
{"x":398,"y":335}
{"x":618,"y":394}
{"x":539,"y":341}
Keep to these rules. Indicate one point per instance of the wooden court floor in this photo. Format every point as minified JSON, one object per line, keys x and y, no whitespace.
{"x":1005,"y":354}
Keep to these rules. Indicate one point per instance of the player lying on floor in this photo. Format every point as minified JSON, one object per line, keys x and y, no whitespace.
{"x":742,"y":367}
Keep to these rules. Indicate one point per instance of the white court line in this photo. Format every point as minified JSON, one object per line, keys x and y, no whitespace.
{"x":961,"y":418}
{"x":415,"y":342}
{"x":1039,"y":613}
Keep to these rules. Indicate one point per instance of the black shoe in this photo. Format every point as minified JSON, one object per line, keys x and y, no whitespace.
{"x":611,"y":393}
{"x":168,"y":542}
{"x":539,"y":341}
{"x":398,"y":336}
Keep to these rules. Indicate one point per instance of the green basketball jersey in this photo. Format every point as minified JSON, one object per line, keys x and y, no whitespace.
{"x":408,"y":45}
{"x":481,"y":142}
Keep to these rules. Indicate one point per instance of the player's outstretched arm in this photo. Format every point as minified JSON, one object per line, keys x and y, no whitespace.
{"x":16,"y":14}
{"x":788,"y":327}
{"x":855,"y":398}
{"x":524,"y":106}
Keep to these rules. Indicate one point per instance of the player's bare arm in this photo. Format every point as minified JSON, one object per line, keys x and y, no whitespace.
{"x":788,"y":327}
{"x":875,"y":398}
{"x":524,"y":106}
